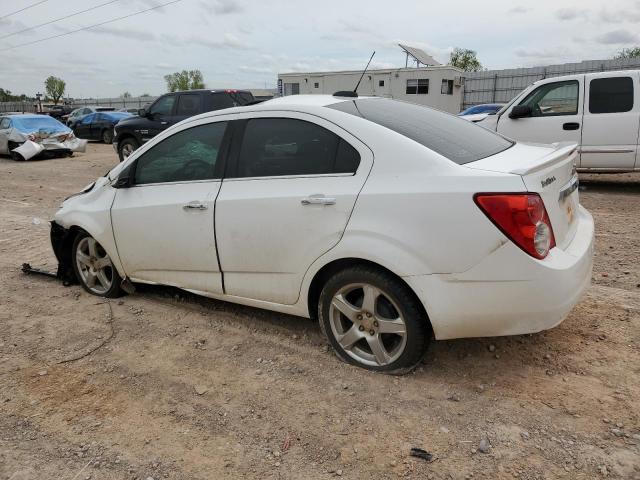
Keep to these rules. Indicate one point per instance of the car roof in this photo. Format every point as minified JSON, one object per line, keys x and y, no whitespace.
{"x":29,"y":115}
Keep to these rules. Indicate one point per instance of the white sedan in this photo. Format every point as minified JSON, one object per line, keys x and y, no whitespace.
{"x":391,"y":223}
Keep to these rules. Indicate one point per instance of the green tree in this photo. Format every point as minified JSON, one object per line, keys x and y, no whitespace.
{"x":184,"y":80}
{"x":633,"y":52}
{"x":125,"y":95}
{"x":55,"y":88}
{"x":465,"y":59}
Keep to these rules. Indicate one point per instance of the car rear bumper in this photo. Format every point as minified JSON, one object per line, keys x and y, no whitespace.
{"x":509,"y":292}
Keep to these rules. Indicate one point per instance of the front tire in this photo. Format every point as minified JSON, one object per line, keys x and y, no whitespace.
{"x":126,"y":148}
{"x":373,"y":320}
{"x":15,"y":156}
{"x":93,"y":267}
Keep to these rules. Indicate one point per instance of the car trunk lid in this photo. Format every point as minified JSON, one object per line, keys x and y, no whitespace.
{"x":547,"y":170}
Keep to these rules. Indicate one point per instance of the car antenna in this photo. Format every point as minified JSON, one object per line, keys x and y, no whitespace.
{"x":354,"y":93}
{"x":355,"y":90}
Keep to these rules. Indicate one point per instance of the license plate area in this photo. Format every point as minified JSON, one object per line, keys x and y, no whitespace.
{"x":568,"y":198}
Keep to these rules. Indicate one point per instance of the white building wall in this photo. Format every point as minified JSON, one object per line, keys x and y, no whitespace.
{"x":394,"y":85}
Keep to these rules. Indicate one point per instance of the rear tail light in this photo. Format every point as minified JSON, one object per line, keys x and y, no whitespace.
{"x":522,"y":217}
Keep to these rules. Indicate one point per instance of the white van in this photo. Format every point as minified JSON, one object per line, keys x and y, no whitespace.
{"x":599,"y":111}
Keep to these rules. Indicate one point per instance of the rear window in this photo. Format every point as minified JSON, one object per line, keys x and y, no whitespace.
{"x":456,"y":139}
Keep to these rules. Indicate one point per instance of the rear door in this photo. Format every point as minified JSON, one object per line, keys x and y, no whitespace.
{"x":5,"y":127}
{"x":556,"y":113}
{"x":189,"y":104}
{"x":611,"y":121}
{"x":291,"y":185}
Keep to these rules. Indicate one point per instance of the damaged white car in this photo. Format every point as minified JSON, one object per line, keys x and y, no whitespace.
{"x":26,"y":136}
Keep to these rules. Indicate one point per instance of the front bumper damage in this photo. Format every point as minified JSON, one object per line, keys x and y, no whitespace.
{"x":32,"y":148}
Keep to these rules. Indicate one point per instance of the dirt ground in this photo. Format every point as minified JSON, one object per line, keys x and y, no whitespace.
{"x":189,"y":388}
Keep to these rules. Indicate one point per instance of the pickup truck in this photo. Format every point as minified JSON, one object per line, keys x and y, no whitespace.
{"x":168,"y":110}
{"x":598,"y":111}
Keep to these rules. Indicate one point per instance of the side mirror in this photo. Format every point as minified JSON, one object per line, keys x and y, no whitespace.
{"x":142,"y":112}
{"x":520,"y":111}
{"x":123,"y":181}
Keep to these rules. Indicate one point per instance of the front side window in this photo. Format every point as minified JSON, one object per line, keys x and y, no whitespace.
{"x":418,"y":86}
{"x":164,"y":106}
{"x":452,"y":137}
{"x":611,"y":95}
{"x":284,"y":146}
{"x":187,"y":155}
{"x":188,"y":104}
{"x":553,"y":99}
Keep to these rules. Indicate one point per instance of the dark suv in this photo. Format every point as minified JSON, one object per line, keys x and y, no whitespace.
{"x":169,"y":109}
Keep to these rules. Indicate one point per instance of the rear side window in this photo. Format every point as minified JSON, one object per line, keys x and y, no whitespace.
{"x":611,"y":95}
{"x":221,"y":100}
{"x":452,"y":137}
{"x":4,"y":123}
{"x":185,"y":156}
{"x":274,"y":147}
{"x":188,"y":104}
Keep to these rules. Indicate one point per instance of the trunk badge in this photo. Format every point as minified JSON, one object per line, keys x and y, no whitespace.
{"x":548,"y":181}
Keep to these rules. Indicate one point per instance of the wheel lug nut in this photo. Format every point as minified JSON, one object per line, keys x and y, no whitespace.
{"x":371,"y":332}
{"x":368,"y":315}
{"x":359,"y":317}
{"x":375,"y":323}
{"x":361,"y":328}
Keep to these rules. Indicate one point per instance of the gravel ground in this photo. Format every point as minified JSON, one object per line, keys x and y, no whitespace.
{"x":181,"y":387}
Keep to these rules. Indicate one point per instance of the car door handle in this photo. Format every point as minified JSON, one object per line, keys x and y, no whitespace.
{"x":194,"y":206}
{"x":318,"y":200}
{"x":571,"y":126}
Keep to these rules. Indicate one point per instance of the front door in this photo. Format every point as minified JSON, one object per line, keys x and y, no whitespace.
{"x":82,"y":129}
{"x":291,"y":186}
{"x":159,"y":118}
{"x":164,"y":223}
{"x":556,"y":114}
{"x":611,"y":121}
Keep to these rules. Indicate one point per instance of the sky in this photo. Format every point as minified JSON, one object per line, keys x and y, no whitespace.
{"x":246,"y":43}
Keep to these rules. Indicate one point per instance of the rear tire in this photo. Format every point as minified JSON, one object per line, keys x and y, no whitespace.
{"x":373,"y":320}
{"x":107,"y":136}
{"x":127,"y":147}
{"x":93,"y":267}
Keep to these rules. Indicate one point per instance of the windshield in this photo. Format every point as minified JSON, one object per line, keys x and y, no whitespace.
{"x":481,"y":109}
{"x":32,"y":124}
{"x":452,"y":137}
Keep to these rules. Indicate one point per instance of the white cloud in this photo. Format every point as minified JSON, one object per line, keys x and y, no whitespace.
{"x":618,"y":37}
{"x":519,"y":9}
{"x":571,"y":14}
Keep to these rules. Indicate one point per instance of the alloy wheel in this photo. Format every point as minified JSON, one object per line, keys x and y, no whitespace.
{"x":367,"y":324}
{"x":94,"y":266}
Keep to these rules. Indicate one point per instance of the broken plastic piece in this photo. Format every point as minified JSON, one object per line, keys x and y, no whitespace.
{"x":420,"y":453}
